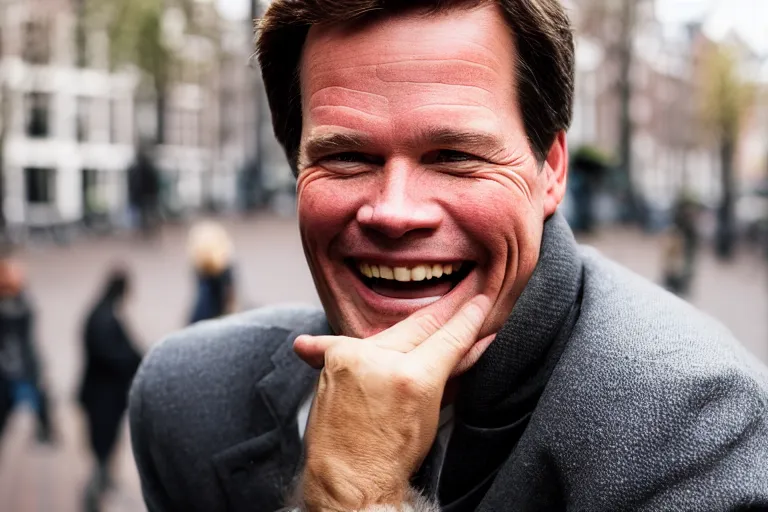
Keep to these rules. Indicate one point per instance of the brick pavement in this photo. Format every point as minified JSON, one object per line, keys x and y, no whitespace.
{"x":64,"y":280}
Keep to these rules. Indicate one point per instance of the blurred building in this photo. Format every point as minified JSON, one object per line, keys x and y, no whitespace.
{"x":217,"y":148}
{"x":66,"y":120}
{"x":671,"y":150}
{"x":71,"y":124}
{"x":209,"y":130}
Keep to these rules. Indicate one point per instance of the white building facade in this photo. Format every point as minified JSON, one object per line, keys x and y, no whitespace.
{"x":69,"y":131}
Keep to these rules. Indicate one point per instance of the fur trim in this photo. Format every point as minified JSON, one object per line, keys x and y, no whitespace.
{"x":416,"y":503}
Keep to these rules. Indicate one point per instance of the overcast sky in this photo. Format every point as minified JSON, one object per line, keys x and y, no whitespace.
{"x":748,"y":17}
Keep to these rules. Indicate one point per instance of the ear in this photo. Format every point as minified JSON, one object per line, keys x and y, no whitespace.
{"x":555,"y":173}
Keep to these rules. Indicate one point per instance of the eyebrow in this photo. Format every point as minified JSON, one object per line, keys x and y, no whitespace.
{"x":463,"y":139}
{"x":472,"y":141}
{"x":322,"y":145}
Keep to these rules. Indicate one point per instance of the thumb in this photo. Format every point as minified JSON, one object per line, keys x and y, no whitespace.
{"x":312,"y":349}
{"x":447,"y":347}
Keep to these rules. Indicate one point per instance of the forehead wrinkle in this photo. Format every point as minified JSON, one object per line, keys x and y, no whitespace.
{"x":345,"y":109}
{"x":339,"y":96}
{"x":378,"y":61}
{"x":444,"y":69}
{"x":416,"y":71}
{"x":428,"y":83}
{"x":453,"y":106}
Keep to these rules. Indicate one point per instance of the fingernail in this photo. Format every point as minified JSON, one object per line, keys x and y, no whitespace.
{"x":476,"y":309}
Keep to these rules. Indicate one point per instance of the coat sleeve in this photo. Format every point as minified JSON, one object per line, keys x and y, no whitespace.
{"x":155,"y":496}
{"x":716,"y":454}
{"x":29,"y":347}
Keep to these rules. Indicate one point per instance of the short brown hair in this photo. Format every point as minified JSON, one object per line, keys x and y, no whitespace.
{"x":541,"y":29}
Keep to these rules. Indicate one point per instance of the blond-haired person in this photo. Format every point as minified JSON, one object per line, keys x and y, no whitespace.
{"x":210,"y":249}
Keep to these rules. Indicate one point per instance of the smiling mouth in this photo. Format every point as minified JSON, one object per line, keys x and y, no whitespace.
{"x":413,"y":282}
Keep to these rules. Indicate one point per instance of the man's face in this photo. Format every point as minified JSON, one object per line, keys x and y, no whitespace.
{"x":414,"y":165}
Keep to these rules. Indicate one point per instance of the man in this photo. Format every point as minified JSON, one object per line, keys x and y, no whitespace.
{"x":473,"y":356}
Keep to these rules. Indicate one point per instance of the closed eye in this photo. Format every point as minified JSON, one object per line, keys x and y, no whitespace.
{"x":446,"y":156}
{"x":353,"y":157}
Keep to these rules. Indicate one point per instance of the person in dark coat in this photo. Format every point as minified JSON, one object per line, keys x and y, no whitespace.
{"x":683,"y":241}
{"x":144,"y":189}
{"x":110,"y":363}
{"x":20,"y":369}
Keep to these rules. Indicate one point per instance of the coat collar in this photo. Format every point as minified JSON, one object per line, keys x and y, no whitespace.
{"x":291,"y":379}
{"x":258,"y":473}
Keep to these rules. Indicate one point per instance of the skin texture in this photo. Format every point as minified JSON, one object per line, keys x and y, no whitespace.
{"x":413,"y":151}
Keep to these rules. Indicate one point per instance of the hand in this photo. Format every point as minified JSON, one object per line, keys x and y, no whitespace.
{"x":376,"y":411}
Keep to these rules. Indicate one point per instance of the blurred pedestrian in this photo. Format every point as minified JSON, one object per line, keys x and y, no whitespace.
{"x":20,"y":369}
{"x":144,"y":190}
{"x":210,"y":250}
{"x":110,"y":363}
{"x":588,"y":168}
{"x":681,"y":247}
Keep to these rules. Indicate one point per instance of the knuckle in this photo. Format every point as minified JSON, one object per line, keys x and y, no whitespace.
{"x":410,"y":380}
{"x":343,"y":355}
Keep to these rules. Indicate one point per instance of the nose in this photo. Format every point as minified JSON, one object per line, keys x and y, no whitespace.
{"x":400,"y":207}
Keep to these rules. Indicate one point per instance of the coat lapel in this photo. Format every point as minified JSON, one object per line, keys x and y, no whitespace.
{"x":257,"y":474}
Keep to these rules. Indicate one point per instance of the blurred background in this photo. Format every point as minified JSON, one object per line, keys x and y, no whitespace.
{"x":124,"y":123}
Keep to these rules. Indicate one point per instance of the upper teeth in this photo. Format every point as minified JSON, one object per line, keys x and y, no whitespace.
{"x":417,"y":273}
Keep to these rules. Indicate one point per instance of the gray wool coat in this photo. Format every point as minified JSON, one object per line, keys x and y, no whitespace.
{"x":647,"y":405}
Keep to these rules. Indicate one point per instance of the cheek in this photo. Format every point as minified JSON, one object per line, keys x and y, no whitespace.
{"x":324,"y":208}
{"x":327,"y":206}
{"x":491,"y":213}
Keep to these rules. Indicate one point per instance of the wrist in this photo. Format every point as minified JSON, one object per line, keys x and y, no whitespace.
{"x":333,"y":486}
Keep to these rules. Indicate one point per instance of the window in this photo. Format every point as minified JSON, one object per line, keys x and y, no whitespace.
{"x":81,"y":46}
{"x":117,"y":133}
{"x":173,"y":126}
{"x":94,"y":192}
{"x":37,"y":107}
{"x":40,"y":185}
{"x":183,"y":127}
{"x":193,"y":128}
{"x":36,"y":43}
{"x":83,"y":119}
{"x":227,"y":117}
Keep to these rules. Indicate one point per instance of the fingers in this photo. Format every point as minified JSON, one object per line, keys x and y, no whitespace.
{"x":311,"y":349}
{"x":471,"y":357}
{"x":445,"y":349}
{"x":452,"y":338}
{"x":409,"y":333}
